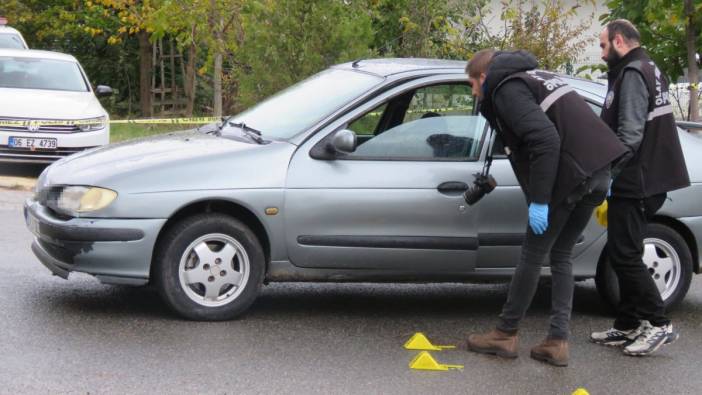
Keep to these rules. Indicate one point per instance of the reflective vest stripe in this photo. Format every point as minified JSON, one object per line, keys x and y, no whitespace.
{"x":553,"y":96}
{"x":657,"y":112}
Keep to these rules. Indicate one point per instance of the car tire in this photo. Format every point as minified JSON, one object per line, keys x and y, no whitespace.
{"x":663,"y":244}
{"x":209,"y":267}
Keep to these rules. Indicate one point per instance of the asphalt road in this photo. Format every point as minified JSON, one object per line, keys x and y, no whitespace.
{"x":79,"y":336}
{"x":21,"y":170}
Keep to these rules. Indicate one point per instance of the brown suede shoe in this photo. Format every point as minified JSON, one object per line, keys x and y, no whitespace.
{"x":494,"y":342}
{"x":552,"y":351}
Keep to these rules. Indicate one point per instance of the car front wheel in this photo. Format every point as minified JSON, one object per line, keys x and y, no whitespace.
{"x":668,"y":260}
{"x":209,"y":267}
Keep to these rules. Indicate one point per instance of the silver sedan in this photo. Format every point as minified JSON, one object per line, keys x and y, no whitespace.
{"x":354,"y":174}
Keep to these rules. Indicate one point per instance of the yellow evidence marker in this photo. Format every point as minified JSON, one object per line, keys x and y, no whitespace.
{"x":581,"y":391}
{"x":424,"y":361}
{"x":601,"y":214}
{"x":420,"y":342}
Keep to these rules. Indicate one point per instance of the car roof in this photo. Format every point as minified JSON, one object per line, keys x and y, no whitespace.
{"x":36,"y":54}
{"x":7,"y":29}
{"x":386,"y":67}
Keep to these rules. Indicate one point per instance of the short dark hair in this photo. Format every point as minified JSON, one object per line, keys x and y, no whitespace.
{"x":626,"y":29}
{"x":479,"y":62}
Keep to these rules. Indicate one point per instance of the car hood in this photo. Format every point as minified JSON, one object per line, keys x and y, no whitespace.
{"x":48,"y":104}
{"x":178,"y":161}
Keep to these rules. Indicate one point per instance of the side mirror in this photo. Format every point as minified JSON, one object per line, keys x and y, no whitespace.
{"x":103,"y":91}
{"x":343,"y":141}
{"x":338,"y":143}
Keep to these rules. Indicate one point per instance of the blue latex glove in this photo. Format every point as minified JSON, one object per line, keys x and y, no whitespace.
{"x":538,"y":218}
{"x":609,"y":191}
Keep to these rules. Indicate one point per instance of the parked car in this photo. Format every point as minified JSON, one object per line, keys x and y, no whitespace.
{"x":9,"y":37}
{"x":355,"y":174}
{"x":48,"y":109}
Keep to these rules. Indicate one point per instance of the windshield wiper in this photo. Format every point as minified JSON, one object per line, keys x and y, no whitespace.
{"x":217,"y":130}
{"x":254,"y":134}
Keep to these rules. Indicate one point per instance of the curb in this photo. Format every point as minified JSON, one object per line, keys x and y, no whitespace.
{"x":17,"y":183}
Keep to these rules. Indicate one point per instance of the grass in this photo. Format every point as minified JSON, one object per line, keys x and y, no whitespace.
{"x":121,"y":132}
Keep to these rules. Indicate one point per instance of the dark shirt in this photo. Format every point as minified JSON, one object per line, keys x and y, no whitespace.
{"x":633,"y":112}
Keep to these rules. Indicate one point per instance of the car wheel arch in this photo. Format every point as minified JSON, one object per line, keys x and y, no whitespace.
{"x":225,"y":207}
{"x":686,"y":234}
{"x":607,"y":285}
{"x":682,"y":230}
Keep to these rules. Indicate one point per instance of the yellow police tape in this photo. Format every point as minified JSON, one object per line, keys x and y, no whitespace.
{"x":92,"y":121}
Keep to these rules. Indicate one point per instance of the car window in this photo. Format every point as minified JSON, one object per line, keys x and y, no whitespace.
{"x":435,"y":123}
{"x":367,"y":125}
{"x":34,"y":73}
{"x":10,"y":41}
{"x":440,"y":100}
{"x":297,"y":108}
{"x":595,"y":107}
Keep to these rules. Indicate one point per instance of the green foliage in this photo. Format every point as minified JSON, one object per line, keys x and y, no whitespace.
{"x":121,"y":132}
{"x":288,"y":40}
{"x":428,"y":28}
{"x":548,"y":29}
{"x":267,"y":45}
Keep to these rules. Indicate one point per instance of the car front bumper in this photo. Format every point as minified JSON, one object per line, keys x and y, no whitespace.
{"x":115,"y":251}
{"x":67,"y":144}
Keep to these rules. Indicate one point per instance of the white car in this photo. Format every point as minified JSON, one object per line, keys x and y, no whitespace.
{"x":48,"y":109}
{"x":10,"y":38}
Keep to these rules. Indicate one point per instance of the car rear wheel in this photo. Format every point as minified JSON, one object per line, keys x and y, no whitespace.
{"x":209,"y":267}
{"x":668,"y":260}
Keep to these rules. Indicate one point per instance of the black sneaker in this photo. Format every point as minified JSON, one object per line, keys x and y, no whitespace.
{"x":651,"y":339}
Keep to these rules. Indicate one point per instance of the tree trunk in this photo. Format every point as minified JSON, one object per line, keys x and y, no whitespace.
{"x":692,"y":69}
{"x":145,"y":69}
{"x":218,"y":85}
{"x":190,"y":78}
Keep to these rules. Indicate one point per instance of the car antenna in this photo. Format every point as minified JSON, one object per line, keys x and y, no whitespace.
{"x":355,"y":63}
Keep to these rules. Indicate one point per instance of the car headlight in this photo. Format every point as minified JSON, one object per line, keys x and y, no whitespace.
{"x":92,"y":124}
{"x":80,"y":199}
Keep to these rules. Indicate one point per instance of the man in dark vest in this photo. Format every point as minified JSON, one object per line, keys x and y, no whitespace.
{"x":561,"y":153}
{"x":638,"y":110}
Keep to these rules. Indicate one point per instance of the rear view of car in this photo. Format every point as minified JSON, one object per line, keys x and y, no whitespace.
{"x":47,"y":108}
{"x":9,"y":37}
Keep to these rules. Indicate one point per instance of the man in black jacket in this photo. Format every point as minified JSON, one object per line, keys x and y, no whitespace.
{"x":561,"y":153}
{"x":638,"y":110}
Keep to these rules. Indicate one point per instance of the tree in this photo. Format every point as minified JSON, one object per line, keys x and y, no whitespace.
{"x":547,"y":29}
{"x":670,"y":31}
{"x":428,"y":28}
{"x":75,"y":28}
{"x":285,"y":41}
{"x":133,"y":19}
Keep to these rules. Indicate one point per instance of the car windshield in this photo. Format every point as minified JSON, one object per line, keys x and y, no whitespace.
{"x":300,"y":106}
{"x":32,"y":73}
{"x":10,"y":41}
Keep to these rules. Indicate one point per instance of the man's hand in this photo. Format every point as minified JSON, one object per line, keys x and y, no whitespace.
{"x":538,"y":218}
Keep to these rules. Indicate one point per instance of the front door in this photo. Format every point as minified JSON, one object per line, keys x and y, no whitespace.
{"x":396,"y":202}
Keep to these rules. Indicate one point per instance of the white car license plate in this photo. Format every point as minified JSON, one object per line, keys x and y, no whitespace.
{"x":31,"y":143}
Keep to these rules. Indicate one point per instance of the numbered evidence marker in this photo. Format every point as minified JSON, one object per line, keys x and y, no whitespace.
{"x":419,"y":341}
{"x":424,"y":361}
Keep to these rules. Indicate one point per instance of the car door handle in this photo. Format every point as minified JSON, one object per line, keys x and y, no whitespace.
{"x":452,"y":187}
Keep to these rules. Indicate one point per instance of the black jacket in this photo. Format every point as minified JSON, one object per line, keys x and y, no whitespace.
{"x":642,"y":118}
{"x":555,"y":141}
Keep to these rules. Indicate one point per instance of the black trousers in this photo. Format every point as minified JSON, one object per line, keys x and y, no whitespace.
{"x":640,"y":299}
{"x":566,"y":223}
